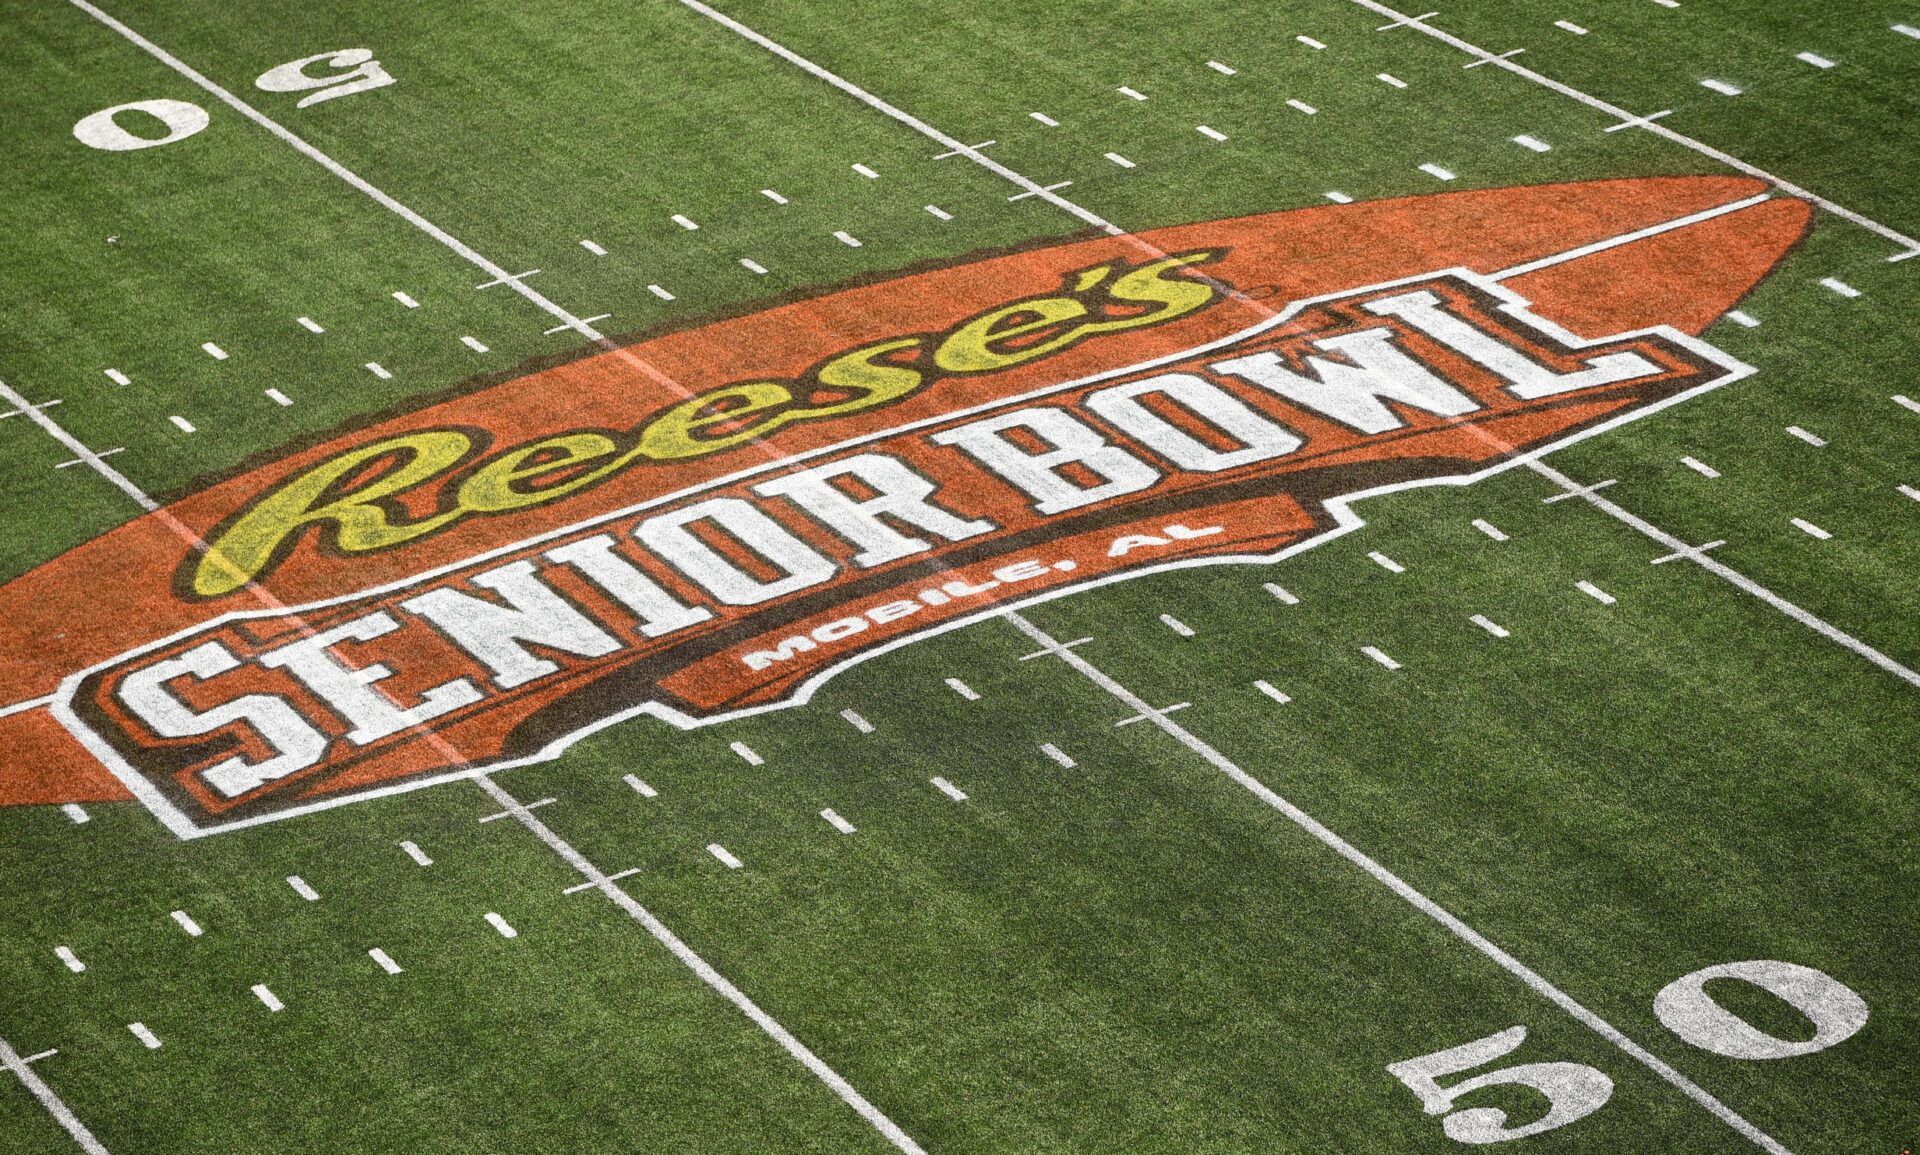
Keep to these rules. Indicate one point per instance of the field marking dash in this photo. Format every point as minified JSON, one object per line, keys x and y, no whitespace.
{"x":1220,"y":68}
{"x":1131,"y":93}
{"x":1310,"y":42}
{"x":1595,"y":592}
{"x":1381,"y":656}
{"x":1812,"y":439}
{"x":503,"y":926}
{"x":147,"y":1038}
{"x":1385,"y":562}
{"x":640,"y":788}
{"x":118,"y":378}
{"x":267,"y":998}
{"x":1905,"y":402}
{"x":214,"y":351}
{"x":746,"y":753}
{"x":384,"y":960}
{"x":278,"y":398}
{"x":753,"y":266}
{"x":838,"y":823}
{"x":1910,"y":491}
{"x":1743,"y":318}
{"x":593,"y":247}
{"x":1286,"y":598}
{"x":961,"y":688}
{"x":1436,"y":172}
{"x":1043,"y":118}
{"x":309,"y":324}
{"x":591,"y":884}
{"x":685,"y":222}
{"x":963,"y":151}
{"x":1049,"y":652}
{"x":474,"y":344}
{"x":1722,"y":87}
{"x":1489,"y":58}
{"x":1907,"y":30}
{"x":1301,"y":106}
{"x":379,"y":370}
{"x":949,"y":789}
{"x":561,"y":328}
{"x":1338,"y":198}
{"x":1532,"y":142}
{"x":939,"y":213}
{"x":51,"y":1102}
{"x":1058,"y":755}
{"x":65,"y":954}
{"x":76,"y":813}
{"x":1810,"y":529}
{"x":1489,"y":625}
{"x":1570,"y":26}
{"x":1177,"y":706}
{"x":187,"y":924}
{"x":864,"y":171}
{"x":1580,"y":491}
{"x":1700,"y":467}
{"x":414,"y":852}
{"x":1176,"y":625}
{"x":846,"y":238}
{"x":1122,"y":161}
{"x":1389,"y":78}
{"x":724,"y":855}
{"x":1489,"y":529}
{"x":858,"y":722}
{"x":1839,"y":286}
{"x":1815,"y":59}
{"x":773,"y":196}
{"x":406,"y":300}
{"x":659,"y":292}
{"x":301,"y":888}
{"x":1209,"y":133}
{"x":514,"y":813}
{"x":1267,"y":688}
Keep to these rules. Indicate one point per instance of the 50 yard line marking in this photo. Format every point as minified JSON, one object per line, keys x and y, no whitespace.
{"x":1504,"y":61}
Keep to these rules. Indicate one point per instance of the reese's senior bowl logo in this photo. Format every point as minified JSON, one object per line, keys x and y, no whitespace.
{"x":711,"y":522}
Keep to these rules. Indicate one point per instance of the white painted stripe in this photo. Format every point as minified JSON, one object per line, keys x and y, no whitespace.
{"x":1380,"y":655}
{"x":309,"y":324}
{"x":1811,"y":439}
{"x":746,"y":753}
{"x":1209,"y":133}
{"x":775,"y":197}
{"x":73,"y":444}
{"x":1492,"y":627}
{"x":724,"y":855}
{"x":1532,"y":142}
{"x":1722,"y":87}
{"x":1122,"y":161}
{"x":1339,"y":198}
{"x":1286,"y":599}
{"x":54,"y":1105}
{"x":1310,"y":42}
{"x":301,"y":888}
{"x":278,"y":398}
{"x":1700,"y":467}
{"x":1058,"y":755}
{"x":1485,"y":57}
{"x":1910,"y":491}
{"x":939,"y":213}
{"x":685,"y":222}
{"x":1386,"y":563}
{"x":76,"y":813}
{"x":1302,"y":106}
{"x":846,"y":238}
{"x":474,"y":344}
{"x":641,"y":788}
{"x":1815,"y":59}
{"x":1435,"y":171}
{"x":1176,"y":625}
{"x":187,"y":924}
{"x":1807,"y":527}
{"x":1489,"y":529}
{"x":1389,"y":78}
{"x":414,"y":852}
{"x":593,"y":248}
{"x":1267,"y":688}
{"x":214,"y":351}
{"x":1570,"y":26}
{"x":752,"y":266}
{"x":384,"y":960}
{"x":864,"y":171}
{"x":1043,"y":118}
{"x":1533,"y":979}
{"x":1628,"y":238}
{"x":147,"y":1038}
{"x":1220,"y":68}
{"x":183,"y":424}
{"x":1743,"y":318}
{"x":502,"y":925}
{"x":267,"y":998}
{"x":1906,"y":402}
{"x":65,"y":954}
{"x":838,"y":823}
{"x":856,"y":721}
{"x":1907,"y":30}
{"x":659,"y":292}
{"x":1596,"y":593}
{"x":404,"y":299}
{"x":1839,"y":286}
{"x":1131,"y":93}
{"x":379,"y":370}
{"x":961,"y":688}
{"x":118,"y":378}
{"x":949,"y":789}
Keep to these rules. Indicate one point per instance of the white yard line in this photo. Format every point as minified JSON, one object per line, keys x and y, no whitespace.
{"x":1400,"y":887}
{"x":62,"y":1114}
{"x":701,"y":967}
{"x":1726,"y":158}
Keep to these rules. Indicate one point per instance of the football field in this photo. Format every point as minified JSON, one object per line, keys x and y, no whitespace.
{"x":1313,"y":577}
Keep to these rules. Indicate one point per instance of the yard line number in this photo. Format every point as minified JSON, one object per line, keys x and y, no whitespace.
{"x":1575,"y":1090}
{"x":129,"y":127}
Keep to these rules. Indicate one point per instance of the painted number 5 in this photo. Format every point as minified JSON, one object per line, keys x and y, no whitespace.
{"x":1573,"y":1090}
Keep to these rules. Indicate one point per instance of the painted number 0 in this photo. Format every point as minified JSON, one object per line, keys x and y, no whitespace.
{"x":1684,"y":1006}
{"x":113,"y":129}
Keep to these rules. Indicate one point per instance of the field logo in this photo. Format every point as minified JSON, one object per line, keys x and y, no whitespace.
{"x":501,"y":577}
